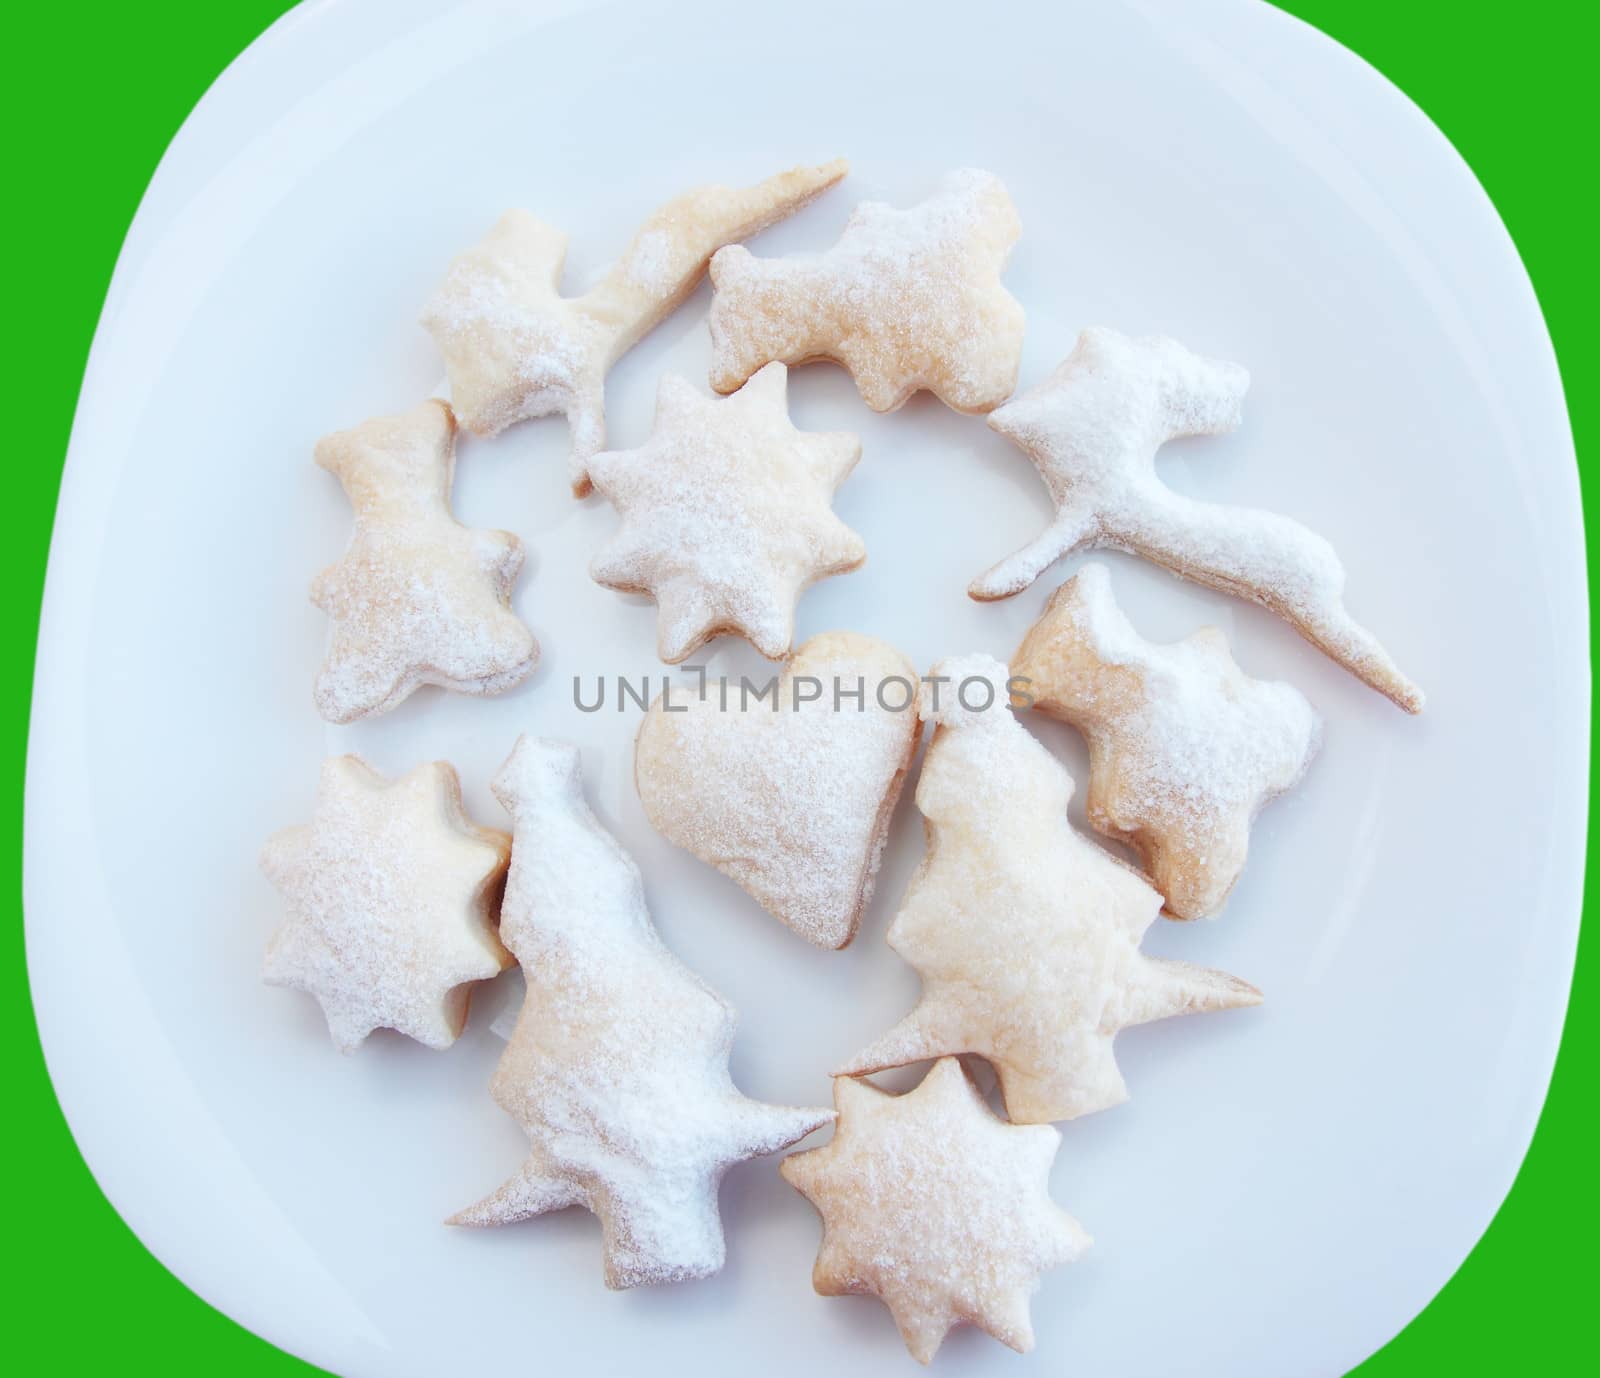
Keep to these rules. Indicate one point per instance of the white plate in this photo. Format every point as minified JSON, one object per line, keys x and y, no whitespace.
{"x":1289,"y":1185}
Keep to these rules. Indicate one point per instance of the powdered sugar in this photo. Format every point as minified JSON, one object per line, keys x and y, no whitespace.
{"x":617,"y":1068}
{"x":1184,"y":747}
{"x":726,"y":514}
{"x":389,"y":890}
{"x":931,"y":1203}
{"x":1025,"y":934}
{"x":649,"y":261}
{"x":1093,"y":429}
{"x":793,"y":804}
{"x":964,"y":691}
{"x":906,"y":299}
{"x":417,"y":598}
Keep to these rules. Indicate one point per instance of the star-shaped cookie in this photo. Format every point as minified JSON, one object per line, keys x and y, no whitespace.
{"x":906,"y":299}
{"x":726,"y":514}
{"x":935,"y":1206}
{"x":417,"y":598}
{"x":515,"y":348}
{"x":1184,"y":747}
{"x":791,"y":799}
{"x":1026,"y":935}
{"x":617,"y":1069}
{"x":391,"y":891}
{"x":1093,"y":428}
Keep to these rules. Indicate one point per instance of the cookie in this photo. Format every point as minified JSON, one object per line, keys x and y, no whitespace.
{"x":726,"y":515}
{"x":1093,"y":428}
{"x":1026,"y":934}
{"x":1184,"y":747}
{"x":391,"y":891}
{"x":906,"y":299}
{"x":515,"y":348}
{"x":791,"y":795}
{"x":417,"y":598}
{"x":617,"y":1068}
{"x":938,"y":1208}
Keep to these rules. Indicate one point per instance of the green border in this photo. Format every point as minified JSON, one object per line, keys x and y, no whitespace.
{"x":95,"y":93}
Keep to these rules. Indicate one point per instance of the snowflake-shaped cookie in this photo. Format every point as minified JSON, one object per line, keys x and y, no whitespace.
{"x":1026,"y":934}
{"x":906,"y":299}
{"x":515,"y":348}
{"x":726,"y":514}
{"x":618,"y":1066}
{"x":417,"y":598}
{"x":1093,"y":428}
{"x":1184,"y":747}
{"x":935,"y":1206}
{"x":390,"y":890}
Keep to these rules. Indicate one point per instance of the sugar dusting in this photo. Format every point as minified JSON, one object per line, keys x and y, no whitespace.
{"x":1093,"y":429}
{"x":793,"y":804}
{"x":617,"y":1068}
{"x":649,"y":261}
{"x":906,"y":299}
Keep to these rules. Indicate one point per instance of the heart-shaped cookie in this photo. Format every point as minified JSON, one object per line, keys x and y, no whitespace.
{"x":788,"y":786}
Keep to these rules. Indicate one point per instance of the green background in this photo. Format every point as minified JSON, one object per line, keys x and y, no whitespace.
{"x":94,"y":94}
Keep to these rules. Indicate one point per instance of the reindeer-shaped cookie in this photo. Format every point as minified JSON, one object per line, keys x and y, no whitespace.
{"x":1093,"y":428}
{"x":515,"y":348}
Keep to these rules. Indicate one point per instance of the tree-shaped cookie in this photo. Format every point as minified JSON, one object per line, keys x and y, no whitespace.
{"x":515,"y":348}
{"x":727,"y":514}
{"x":417,"y":598}
{"x":390,"y":890}
{"x":906,"y":299}
{"x":1184,"y":747}
{"x":1026,"y":935}
{"x":791,"y":798}
{"x":618,"y":1067}
{"x":935,"y":1206}
{"x":1093,"y":428}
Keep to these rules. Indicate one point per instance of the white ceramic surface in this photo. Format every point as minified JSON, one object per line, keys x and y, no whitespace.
{"x":1289,"y":1185}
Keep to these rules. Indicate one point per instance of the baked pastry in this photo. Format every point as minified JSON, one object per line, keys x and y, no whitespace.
{"x":417,"y":598}
{"x":391,"y":891}
{"x":617,"y":1069}
{"x":1184,"y":747}
{"x":1026,"y":935}
{"x":937,"y":1207}
{"x":906,"y":299}
{"x":515,"y":348}
{"x":793,"y":799}
{"x":1093,"y":428}
{"x":727,"y":515}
